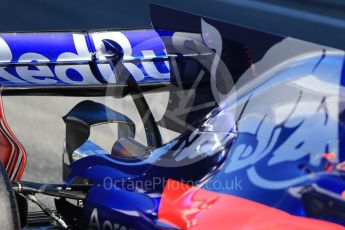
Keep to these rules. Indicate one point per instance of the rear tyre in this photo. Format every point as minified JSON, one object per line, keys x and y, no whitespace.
{"x":9,"y":216}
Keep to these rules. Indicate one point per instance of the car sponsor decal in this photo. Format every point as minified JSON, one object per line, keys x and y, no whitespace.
{"x":65,"y":58}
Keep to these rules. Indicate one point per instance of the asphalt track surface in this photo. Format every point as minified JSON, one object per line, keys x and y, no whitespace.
{"x":37,"y":123}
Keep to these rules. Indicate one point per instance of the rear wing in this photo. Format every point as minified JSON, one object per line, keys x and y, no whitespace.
{"x":75,"y":63}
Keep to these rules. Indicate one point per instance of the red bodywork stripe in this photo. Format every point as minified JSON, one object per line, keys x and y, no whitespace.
{"x":194,"y":208}
{"x":12,"y":153}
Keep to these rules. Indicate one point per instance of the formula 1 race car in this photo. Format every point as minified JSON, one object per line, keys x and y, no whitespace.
{"x":260,"y":123}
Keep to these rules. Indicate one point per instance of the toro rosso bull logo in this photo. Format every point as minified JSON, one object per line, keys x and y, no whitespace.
{"x":64,"y":58}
